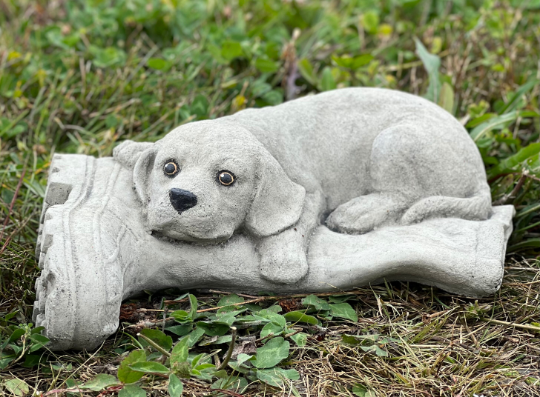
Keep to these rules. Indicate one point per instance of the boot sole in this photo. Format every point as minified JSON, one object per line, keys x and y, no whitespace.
{"x":76,"y":295}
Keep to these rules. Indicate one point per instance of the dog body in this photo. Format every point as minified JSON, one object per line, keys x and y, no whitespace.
{"x":362,"y":158}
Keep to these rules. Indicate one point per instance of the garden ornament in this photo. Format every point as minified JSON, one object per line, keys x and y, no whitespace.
{"x":324,"y":193}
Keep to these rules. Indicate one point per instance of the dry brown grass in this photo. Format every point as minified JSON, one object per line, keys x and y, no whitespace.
{"x":446,"y":345}
{"x":443,"y":345}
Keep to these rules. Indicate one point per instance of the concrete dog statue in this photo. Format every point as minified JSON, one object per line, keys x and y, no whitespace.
{"x":356,"y":158}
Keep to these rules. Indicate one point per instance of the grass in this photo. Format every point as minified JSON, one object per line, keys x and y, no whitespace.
{"x":78,"y":77}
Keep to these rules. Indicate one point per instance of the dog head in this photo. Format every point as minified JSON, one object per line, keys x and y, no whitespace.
{"x":204,"y":181}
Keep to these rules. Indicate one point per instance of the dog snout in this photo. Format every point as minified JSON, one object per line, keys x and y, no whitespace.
{"x":182,"y":200}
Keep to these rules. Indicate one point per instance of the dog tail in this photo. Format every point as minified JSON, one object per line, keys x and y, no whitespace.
{"x":476,"y":207}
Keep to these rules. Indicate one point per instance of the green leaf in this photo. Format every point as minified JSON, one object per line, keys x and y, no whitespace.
{"x":528,"y":209}
{"x":370,"y":22}
{"x":228,"y":312}
{"x":181,"y":297}
{"x":17,"y":387}
{"x":180,"y":330}
{"x":316,"y":302}
{"x":370,"y":348}
{"x":56,"y":37}
{"x":100,"y":382}
{"x":149,"y":367}
{"x":339,"y":298}
{"x":196,"y":359}
{"x":300,"y":317}
{"x":71,"y":383}
{"x":376,"y":349}
{"x":16,"y":335}
{"x":493,"y":123}
{"x":132,"y":391}
{"x":180,"y":351}
{"x":9,"y":316}
{"x":344,"y":310}
{"x":431,"y":64}
{"x":480,"y":119}
{"x":276,"y":376}
{"x":242,"y":358}
{"x":181,"y":316}
{"x":193,"y":306}
{"x":446,"y":98}
{"x":271,"y":328}
{"x":72,"y":40}
{"x":277,"y":319}
{"x":39,"y":341}
{"x":204,"y":366}
{"x":38,"y":338}
{"x":327,"y":81}
{"x":17,"y":350}
{"x":509,"y":164}
{"x":157,"y":336}
{"x":199,"y":106}
{"x":5,"y":360}
{"x":272,"y":353}
{"x":300,"y":339}
{"x":31,"y":360}
{"x":532,"y":243}
{"x":213,"y":341}
{"x":352,"y":63}
{"x":159,"y":64}
{"x":516,"y":97}
{"x":215,"y":52}
{"x":361,"y":60}
{"x":230,"y":300}
{"x":266,"y":65}
{"x":306,"y":70}
{"x":380,"y":352}
{"x":213,"y":328}
{"x":231,"y":50}
{"x":344,"y":61}
{"x":274,"y":97}
{"x":106,"y":57}
{"x":126,"y":374}
{"x":236,"y":384}
{"x":362,"y":391}
{"x":10,"y":129}
{"x":175,"y":386}
{"x":195,"y":335}
{"x":350,"y":340}
{"x":226,"y":318}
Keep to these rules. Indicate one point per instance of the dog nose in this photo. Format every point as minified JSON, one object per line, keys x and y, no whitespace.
{"x":182,"y":200}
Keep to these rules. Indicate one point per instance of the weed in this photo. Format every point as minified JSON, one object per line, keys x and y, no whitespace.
{"x":81,"y":76}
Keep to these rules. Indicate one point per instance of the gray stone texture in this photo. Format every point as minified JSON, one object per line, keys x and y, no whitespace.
{"x":331,"y":192}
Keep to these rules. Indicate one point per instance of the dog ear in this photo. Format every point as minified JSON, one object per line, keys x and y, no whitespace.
{"x":278,"y":201}
{"x":128,"y":152}
{"x":141,"y":173}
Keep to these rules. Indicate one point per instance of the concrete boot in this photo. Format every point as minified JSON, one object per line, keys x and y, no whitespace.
{"x":94,"y":252}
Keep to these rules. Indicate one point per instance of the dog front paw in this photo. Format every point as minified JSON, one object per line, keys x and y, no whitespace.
{"x":284,"y":264}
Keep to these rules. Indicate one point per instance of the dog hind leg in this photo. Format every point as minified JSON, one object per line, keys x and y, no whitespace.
{"x":365,"y":213}
{"x":438,"y":172}
{"x":408,"y":162}
{"x":394,"y":183}
{"x":417,"y":172}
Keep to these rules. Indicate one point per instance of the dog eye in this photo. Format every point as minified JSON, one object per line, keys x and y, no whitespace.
{"x":226,"y":178}
{"x":170,"y":169}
